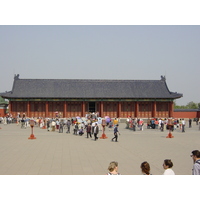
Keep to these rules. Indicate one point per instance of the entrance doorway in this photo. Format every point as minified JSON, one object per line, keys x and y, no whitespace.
{"x":92,"y":107}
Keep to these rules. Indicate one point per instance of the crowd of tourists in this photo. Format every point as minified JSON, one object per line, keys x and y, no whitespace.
{"x":80,"y":125}
{"x":91,"y":124}
{"x":159,"y":123}
{"x":6,"y":120}
{"x":167,"y":166}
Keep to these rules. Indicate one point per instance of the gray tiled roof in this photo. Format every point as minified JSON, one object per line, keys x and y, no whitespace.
{"x":74,"y":88}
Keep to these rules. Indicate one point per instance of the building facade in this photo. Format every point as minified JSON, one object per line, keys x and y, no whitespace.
{"x":72,"y":97}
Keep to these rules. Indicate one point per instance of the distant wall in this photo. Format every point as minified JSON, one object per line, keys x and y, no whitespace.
{"x":191,"y":113}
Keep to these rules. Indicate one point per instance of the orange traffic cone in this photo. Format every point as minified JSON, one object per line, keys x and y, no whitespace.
{"x":103,"y":134}
{"x":170,"y":135}
{"x":32,"y":137}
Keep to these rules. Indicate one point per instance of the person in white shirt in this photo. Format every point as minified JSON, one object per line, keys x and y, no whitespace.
{"x":167,"y":165}
{"x":183,"y":125}
{"x":99,"y":123}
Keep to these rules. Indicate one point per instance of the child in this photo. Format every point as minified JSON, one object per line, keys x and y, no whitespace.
{"x":81,"y":131}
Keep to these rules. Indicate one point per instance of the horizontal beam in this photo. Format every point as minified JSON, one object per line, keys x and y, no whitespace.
{"x":95,"y":100}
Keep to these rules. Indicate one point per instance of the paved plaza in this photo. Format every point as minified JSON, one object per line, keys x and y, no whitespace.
{"x":53,"y":153}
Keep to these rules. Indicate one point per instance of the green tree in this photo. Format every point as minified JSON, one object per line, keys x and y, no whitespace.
{"x":3,"y":100}
{"x":179,"y":107}
{"x":192,"y":105}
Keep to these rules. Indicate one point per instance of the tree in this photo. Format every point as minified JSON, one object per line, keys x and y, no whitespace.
{"x":3,"y":100}
{"x":192,"y":105}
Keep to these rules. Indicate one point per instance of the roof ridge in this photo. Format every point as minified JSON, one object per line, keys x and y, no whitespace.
{"x":116,"y":80}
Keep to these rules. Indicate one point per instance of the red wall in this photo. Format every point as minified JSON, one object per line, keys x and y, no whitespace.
{"x":187,"y":114}
{"x":2,"y":112}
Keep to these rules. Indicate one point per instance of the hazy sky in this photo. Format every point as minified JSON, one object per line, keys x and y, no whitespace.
{"x":103,"y":52}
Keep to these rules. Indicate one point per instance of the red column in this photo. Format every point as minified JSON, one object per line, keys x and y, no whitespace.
{"x":171,"y":108}
{"x":28,"y":108}
{"x":46,"y":109}
{"x":64,"y":109}
{"x":154,"y":109}
{"x":136,"y":109}
{"x":119,"y":109}
{"x":10,"y":107}
{"x":101,"y":109}
{"x":83,"y":109}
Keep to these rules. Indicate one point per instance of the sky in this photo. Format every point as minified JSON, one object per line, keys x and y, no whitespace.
{"x":137,"y":40}
{"x":103,"y":52}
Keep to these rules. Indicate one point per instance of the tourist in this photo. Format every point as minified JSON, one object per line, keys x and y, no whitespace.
{"x":156,"y":123}
{"x":88,"y":130}
{"x":115,"y":133}
{"x":27,"y":122}
{"x":76,"y":129}
{"x":152,"y":124}
{"x":145,"y":167}
{"x":180,"y":124}
{"x":99,"y":119}
{"x":134,"y":124}
{"x":22,"y":123}
{"x":148,"y":123}
{"x":196,"y":158}
{"x":183,"y":125}
{"x":162,"y":126}
{"x":127,"y":122}
{"x":93,"y":126}
{"x":57,"y":124}
{"x":199,"y":125}
{"x":115,"y":122}
{"x":68,"y":126}
{"x":4,"y":121}
{"x":190,"y":123}
{"x":73,"y":122}
{"x":96,"y":131}
{"x":53,"y":125}
{"x":48,"y":125}
{"x":113,"y":168}
{"x":177,"y":125}
{"x":141,"y":123}
{"x":81,"y":131}
{"x":41,"y":123}
{"x":110,"y":125}
{"x":61,"y":127}
{"x":167,"y":165}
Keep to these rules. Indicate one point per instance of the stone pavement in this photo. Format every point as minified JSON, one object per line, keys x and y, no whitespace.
{"x":54,"y":153}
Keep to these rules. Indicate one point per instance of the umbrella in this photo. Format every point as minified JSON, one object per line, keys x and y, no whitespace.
{"x":107,"y":120}
{"x":79,"y":120}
